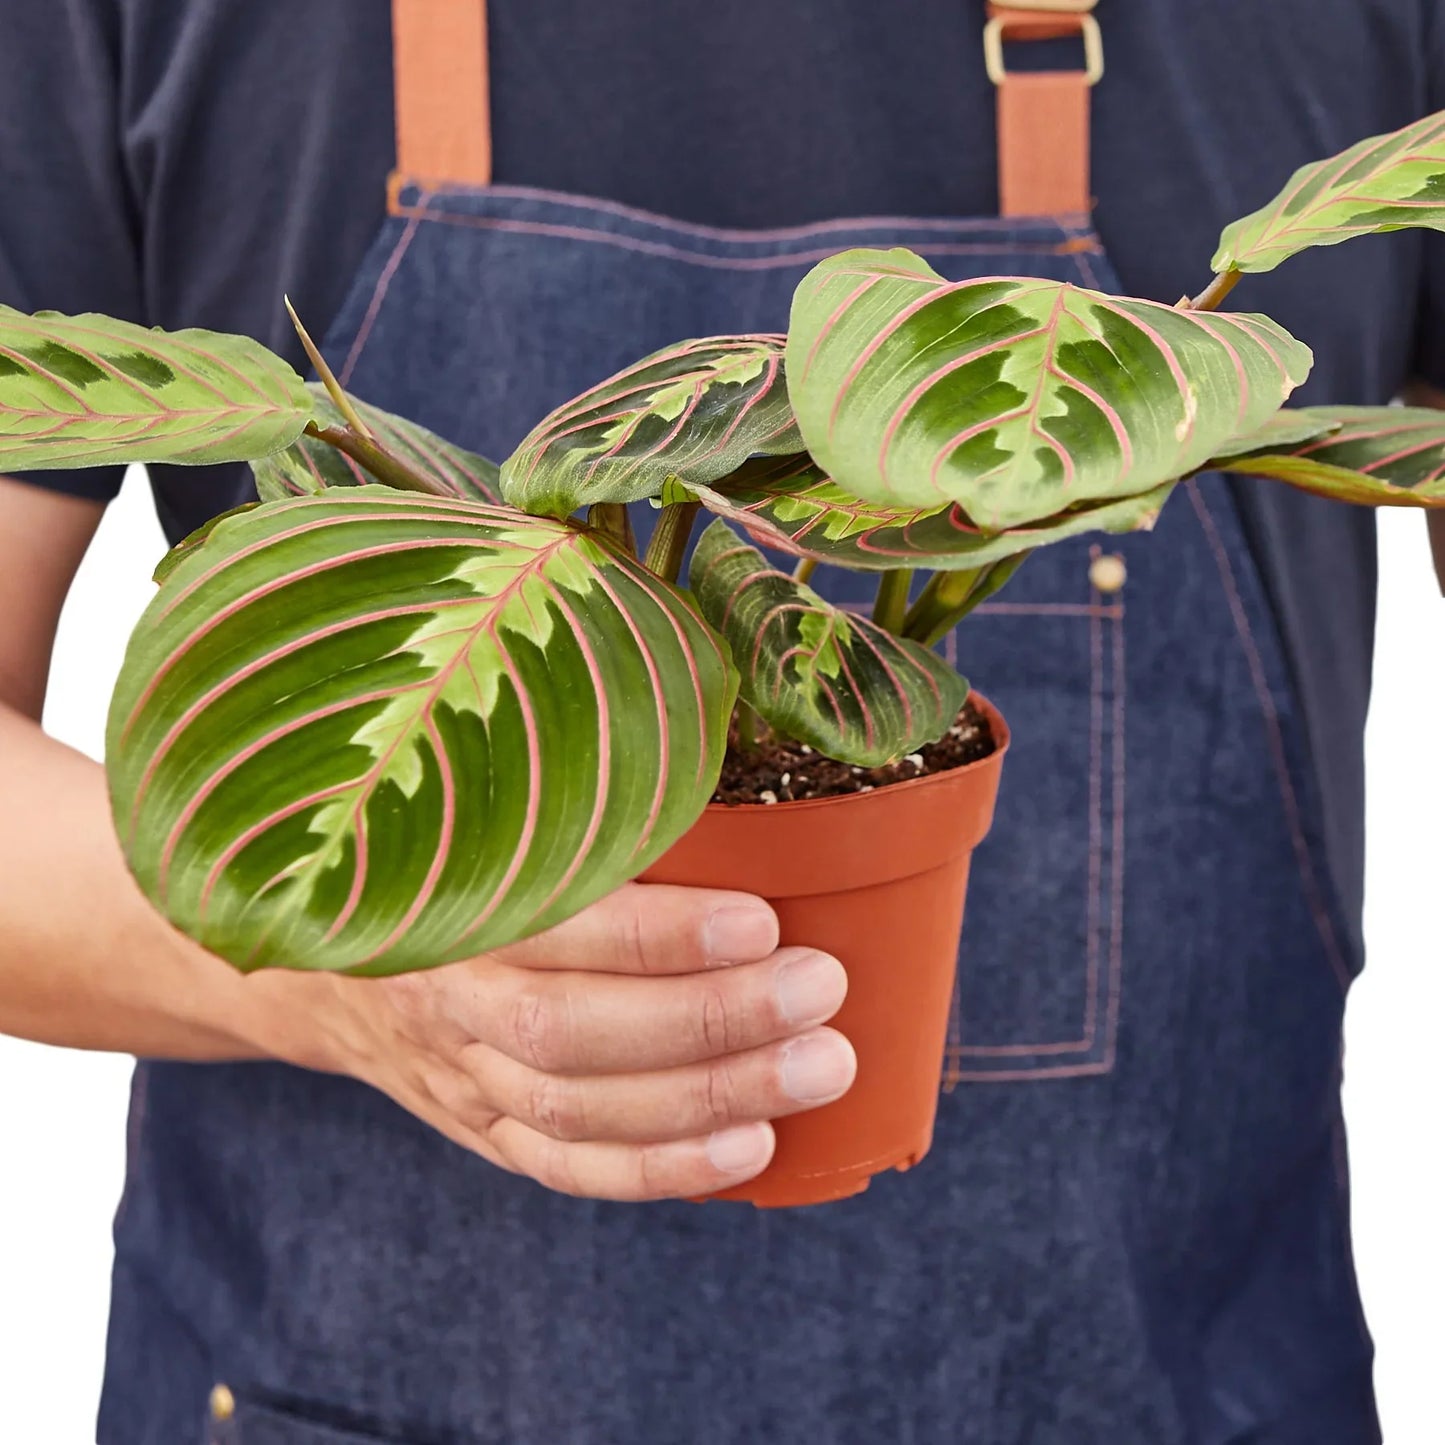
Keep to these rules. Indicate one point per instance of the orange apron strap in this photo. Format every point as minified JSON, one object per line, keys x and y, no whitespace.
{"x":443,"y":105}
{"x":1043,"y":116}
{"x":444,"y":121}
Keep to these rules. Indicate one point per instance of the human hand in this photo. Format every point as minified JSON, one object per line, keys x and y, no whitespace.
{"x":634,"y":1052}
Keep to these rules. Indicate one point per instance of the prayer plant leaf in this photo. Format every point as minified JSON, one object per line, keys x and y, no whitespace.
{"x":369,"y":731}
{"x":692,"y":412}
{"x":1390,"y":182}
{"x":791,"y":505}
{"x":79,"y":391}
{"x":827,"y":677}
{"x":1378,"y":456}
{"x":1286,"y":428}
{"x":1017,"y":398}
{"x":311,"y":465}
{"x":194,"y":540}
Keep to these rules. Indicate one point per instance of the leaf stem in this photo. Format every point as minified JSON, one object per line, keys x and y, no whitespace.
{"x":355,"y":439}
{"x":614,"y":519}
{"x":957,"y":594}
{"x":939,"y":602}
{"x":669,"y":540}
{"x":890,"y":608}
{"x":748,"y":727}
{"x":328,"y":379}
{"x":1215,"y":292}
{"x":803,"y":572}
{"x":367,"y":452}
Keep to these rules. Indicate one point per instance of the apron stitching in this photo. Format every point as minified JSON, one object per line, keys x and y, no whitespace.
{"x":1073,"y":227}
{"x":723,"y":263}
{"x":1037,"y":1076}
{"x":378,"y":295}
{"x":1275,"y":733}
{"x":1095,"y":875}
{"x":1052,"y":609}
{"x":957,"y":1049}
{"x":1086,"y":266}
{"x":1116,"y":861}
{"x":1096,"y":819}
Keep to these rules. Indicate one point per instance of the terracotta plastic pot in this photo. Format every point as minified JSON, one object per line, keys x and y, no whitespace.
{"x":878,"y":880}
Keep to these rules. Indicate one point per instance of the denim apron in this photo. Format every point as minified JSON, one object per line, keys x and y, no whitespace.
{"x":1132,"y":1227}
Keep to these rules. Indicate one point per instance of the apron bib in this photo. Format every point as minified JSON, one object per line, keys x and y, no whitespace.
{"x":1132,"y":1227}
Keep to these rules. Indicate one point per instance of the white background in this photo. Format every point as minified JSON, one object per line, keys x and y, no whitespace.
{"x":62,"y":1115}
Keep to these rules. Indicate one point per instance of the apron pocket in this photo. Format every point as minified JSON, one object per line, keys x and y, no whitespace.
{"x":1038,"y":1002}
{"x":253,"y":1422}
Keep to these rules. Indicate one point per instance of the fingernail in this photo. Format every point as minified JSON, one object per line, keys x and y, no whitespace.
{"x":740,"y":1150}
{"x":740,"y":934}
{"x":818,"y":1068}
{"x":809,"y":987}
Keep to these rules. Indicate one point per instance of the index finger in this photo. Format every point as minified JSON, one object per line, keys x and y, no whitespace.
{"x":653,"y":928}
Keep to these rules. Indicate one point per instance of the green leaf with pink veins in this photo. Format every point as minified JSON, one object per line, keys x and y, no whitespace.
{"x":688,"y":413}
{"x":1018,"y":399}
{"x":815,"y":672}
{"x":372,"y":731}
{"x":91,"y":391}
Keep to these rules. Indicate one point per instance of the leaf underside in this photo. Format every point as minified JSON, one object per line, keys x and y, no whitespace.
{"x":1390,"y":182}
{"x":827,"y":677}
{"x":372,"y":732}
{"x":1017,"y":398}
{"x":693,"y":411}
{"x":90,"y":391}
{"x":791,"y":505}
{"x":310,"y":465}
{"x":1378,"y":456}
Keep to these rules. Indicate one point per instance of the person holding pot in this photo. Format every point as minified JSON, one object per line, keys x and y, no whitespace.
{"x":451,"y":1206}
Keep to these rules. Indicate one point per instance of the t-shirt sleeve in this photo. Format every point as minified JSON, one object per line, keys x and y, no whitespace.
{"x":67,"y":224}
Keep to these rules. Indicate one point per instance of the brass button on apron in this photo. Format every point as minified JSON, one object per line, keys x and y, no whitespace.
{"x":223,"y":1402}
{"x":1107,"y":572}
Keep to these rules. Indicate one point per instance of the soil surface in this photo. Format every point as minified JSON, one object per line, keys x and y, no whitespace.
{"x":787,"y":772}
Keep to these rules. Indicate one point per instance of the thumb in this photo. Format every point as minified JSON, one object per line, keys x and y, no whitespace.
{"x":653,"y":928}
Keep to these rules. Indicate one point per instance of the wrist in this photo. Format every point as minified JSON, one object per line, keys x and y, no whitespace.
{"x":297,"y":1017}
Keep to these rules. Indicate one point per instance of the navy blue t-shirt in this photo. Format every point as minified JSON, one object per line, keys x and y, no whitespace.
{"x":185,"y":164}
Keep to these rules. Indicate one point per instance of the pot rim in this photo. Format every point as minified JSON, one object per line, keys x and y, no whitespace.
{"x":1002,"y":735}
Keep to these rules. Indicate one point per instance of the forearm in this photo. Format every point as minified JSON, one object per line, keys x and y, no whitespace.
{"x":84,"y":959}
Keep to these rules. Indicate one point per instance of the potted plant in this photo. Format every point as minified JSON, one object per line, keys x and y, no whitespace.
{"x":410,"y":706}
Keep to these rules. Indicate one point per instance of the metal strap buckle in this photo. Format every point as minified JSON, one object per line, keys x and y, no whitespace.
{"x":993,"y":36}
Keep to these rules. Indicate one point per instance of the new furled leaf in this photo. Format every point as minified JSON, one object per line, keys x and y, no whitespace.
{"x":790,"y":504}
{"x":312,"y":465}
{"x":1387,"y":183}
{"x":690,"y":413}
{"x":827,"y":677}
{"x":1017,"y":398}
{"x":372,"y":732}
{"x":88,"y":391}
{"x":1378,"y":456}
